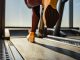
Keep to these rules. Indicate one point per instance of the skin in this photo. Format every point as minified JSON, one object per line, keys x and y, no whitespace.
{"x":45,"y":4}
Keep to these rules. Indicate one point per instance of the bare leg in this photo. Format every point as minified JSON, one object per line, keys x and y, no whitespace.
{"x":41,"y":25}
{"x":35,"y":20}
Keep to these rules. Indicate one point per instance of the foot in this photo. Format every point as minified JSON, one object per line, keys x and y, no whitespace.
{"x":31,"y":37}
{"x":42,"y":33}
{"x":45,"y":32}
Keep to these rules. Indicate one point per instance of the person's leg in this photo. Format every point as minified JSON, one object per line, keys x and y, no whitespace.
{"x":42,"y":30}
{"x":35,"y":20}
{"x":41,"y":25}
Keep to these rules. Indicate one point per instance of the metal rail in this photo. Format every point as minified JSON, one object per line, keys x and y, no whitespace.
{"x":8,"y":51}
{"x":66,"y":40}
{"x":3,"y":51}
{"x":13,"y":52}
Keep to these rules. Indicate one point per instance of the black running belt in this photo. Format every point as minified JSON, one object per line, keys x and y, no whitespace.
{"x":18,"y":32}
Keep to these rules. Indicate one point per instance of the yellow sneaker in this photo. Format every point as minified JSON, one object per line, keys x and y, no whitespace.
{"x":31,"y":37}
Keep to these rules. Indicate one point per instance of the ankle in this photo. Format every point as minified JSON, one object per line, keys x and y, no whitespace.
{"x":32,"y":33}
